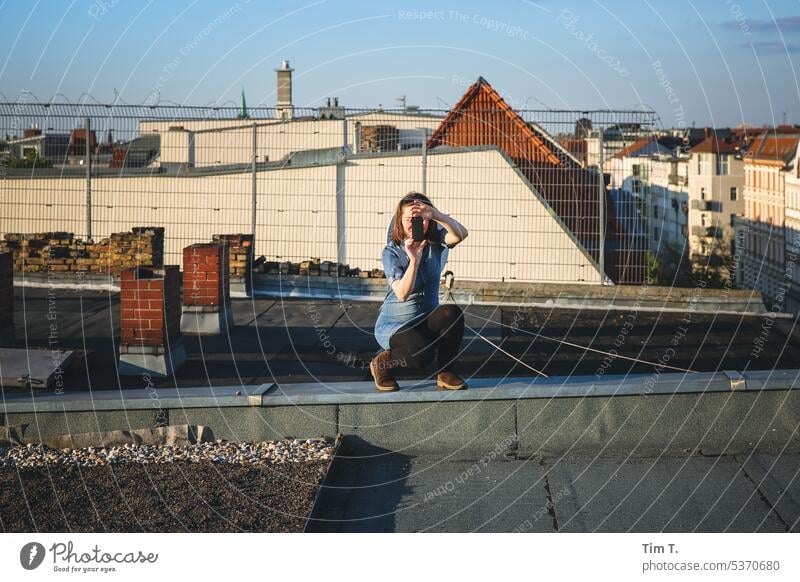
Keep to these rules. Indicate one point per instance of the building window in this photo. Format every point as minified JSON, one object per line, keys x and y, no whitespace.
{"x":702,"y":193}
{"x":655,"y":211}
{"x":733,"y":193}
{"x":703,"y":164}
{"x":722,"y":164}
{"x":733,"y":219}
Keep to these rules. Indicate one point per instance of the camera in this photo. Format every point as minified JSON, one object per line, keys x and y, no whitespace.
{"x":417,"y":229}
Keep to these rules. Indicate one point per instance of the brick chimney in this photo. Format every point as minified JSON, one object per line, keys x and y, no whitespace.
{"x":150,"y":308}
{"x":206,"y":289}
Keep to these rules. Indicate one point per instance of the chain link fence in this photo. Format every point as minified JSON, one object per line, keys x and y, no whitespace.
{"x":324,"y":182}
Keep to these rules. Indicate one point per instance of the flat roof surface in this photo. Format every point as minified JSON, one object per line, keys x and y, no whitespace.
{"x":289,"y":341}
{"x":397,"y":493}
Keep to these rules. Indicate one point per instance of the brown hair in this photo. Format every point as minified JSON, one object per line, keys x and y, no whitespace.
{"x":398,"y":234}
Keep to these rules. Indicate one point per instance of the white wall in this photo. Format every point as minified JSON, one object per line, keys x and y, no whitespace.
{"x":512,"y":234}
{"x":220,"y":142}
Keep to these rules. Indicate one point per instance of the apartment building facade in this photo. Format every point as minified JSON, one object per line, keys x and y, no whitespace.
{"x":690,"y":193}
{"x":715,"y":187}
{"x":654,"y":178}
{"x":767,"y":164}
{"x":792,"y":236}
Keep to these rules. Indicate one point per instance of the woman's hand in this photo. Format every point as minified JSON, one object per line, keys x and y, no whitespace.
{"x":414,"y":249}
{"x":419,"y":208}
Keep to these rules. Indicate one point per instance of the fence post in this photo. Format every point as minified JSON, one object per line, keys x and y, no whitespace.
{"x":601,"y":254}
{"x":425,"y":161}
{"x":88,"y":162}
{"x":341,"y":254}
{"x":254,"y":187}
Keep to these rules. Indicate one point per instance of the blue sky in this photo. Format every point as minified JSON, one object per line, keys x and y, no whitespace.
{"x":711,"y":62}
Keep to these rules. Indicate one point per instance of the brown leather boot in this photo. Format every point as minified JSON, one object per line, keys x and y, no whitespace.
{"x":381,"y":367}
{"x":448,"y":380}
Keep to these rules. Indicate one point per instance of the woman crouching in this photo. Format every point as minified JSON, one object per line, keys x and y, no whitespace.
{"x":412,"y":327}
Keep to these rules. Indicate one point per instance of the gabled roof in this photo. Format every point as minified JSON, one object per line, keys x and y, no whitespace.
{"x":482,"y":117}
{"x":774,"y":145}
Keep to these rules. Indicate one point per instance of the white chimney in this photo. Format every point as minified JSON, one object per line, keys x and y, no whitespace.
{"x":284,"y":108}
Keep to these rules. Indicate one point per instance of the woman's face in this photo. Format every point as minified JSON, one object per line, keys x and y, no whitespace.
{"x":409,"y":212}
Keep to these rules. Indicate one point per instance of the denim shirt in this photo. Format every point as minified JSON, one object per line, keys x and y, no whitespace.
{"x":424,"y":297}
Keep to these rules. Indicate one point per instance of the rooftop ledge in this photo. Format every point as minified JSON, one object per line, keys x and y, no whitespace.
{"x":307,"y":394}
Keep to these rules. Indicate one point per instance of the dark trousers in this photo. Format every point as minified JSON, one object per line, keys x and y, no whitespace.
{"x":440,"y":333}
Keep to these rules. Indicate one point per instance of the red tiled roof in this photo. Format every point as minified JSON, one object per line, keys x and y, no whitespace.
{"x":482,"y":117}
{"x":774,"y":144}
{"x":714,"y":145}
